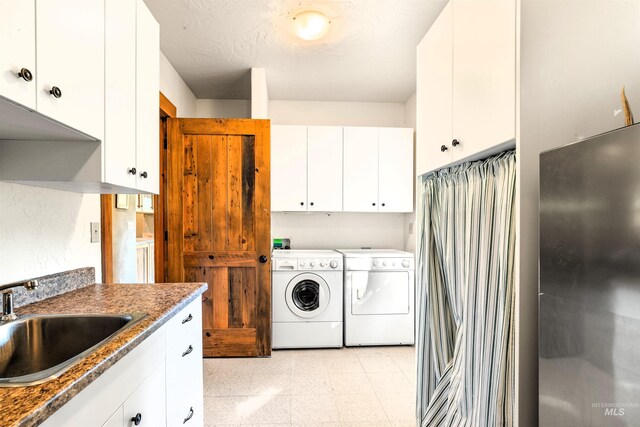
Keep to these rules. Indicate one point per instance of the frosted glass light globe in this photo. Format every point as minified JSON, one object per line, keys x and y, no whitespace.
{"x":311,"y":25}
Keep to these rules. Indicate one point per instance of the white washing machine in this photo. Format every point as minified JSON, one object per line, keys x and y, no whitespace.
{"x":379,"y":297}
{"x":307,"y":295}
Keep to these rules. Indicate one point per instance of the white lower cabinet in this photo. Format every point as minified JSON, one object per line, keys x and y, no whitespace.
{"x":184,"y":367}
{"x":159,"y":383}
{"x":145,"y":406}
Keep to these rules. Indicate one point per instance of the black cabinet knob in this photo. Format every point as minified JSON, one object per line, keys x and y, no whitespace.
{"x":455,"y":142}
{"x":56,"y":92}
{"x":132,"y":171}
{"x":384,"y":204}
{"x":144,"y":174}
{"x":137,"y":419}
{"x":444,"y":148}
{"x":311,"y":203}
{"x":373,"y":204}
{"x":25,"y":74}
{"x":263,"y":259}
{"x":301,"y":203}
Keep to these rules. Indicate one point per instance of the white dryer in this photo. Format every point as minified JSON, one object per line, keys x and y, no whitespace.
{"x":307,"y":296}
{"x":379,"y":297}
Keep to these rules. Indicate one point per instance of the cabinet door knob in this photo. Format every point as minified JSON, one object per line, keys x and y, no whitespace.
{"x":455,"y":142}
{"x":301,"y":203}
{"x":384,"y":204}
{"x":187,"y":351}
{"x":56,"y":92}
{"x":132,"y":171}
{"x":25,"y":74}
{"x":444,"y":148}
{"x":311,"y":203}
{"x":373,"y":204}
{"x":144,"y":174}
{"x":137,"y":419}
{"x":188,"y":416}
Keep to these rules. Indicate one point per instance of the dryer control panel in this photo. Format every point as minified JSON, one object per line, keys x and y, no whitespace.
{"x":392,"y":264}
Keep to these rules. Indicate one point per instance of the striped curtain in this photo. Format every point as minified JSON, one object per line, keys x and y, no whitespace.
{"x":465,"y":278}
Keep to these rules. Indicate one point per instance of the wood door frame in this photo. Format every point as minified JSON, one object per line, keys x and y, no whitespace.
{"x":167,"y":110}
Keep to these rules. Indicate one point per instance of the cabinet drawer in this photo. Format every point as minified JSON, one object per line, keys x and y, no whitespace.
{"x":185,"y":327}
{"x":147,"y":402}
{"x":185,"y":409}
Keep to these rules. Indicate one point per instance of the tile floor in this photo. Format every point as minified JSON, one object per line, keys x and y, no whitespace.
{"x":365,"y":386}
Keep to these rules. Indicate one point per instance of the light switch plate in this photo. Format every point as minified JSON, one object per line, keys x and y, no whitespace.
{"x":95,"y":232}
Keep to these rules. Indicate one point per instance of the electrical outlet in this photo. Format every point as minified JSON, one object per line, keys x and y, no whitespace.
{"x":95,"y":232}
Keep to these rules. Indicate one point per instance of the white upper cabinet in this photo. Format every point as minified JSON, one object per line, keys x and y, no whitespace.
{"x":336,"y":169}
{"x":324,"y":168}
{"x":395,"y":171}
{"x":360,"y":187}
{"x":433,"y":88}
{"x":289,"y":168}
{"x":18,"y":51}
{"x":466,"y":82}
{"x":484,"y":74}
{"x":120,"y":93}
{"x":70,"y":63}
{"x":147,"y":100}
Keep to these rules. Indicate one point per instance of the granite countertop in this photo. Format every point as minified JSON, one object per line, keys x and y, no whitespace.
{"x":30,"y":406}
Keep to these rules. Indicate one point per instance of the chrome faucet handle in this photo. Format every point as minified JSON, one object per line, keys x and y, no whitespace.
{"x":7,"y":307}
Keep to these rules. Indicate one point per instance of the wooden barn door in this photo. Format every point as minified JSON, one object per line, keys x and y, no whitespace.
{"x":219,"y":228}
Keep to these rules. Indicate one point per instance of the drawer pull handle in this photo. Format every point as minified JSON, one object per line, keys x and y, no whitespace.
{"x":188,"y":416}
{"x":189,"y":318}
{"x":137,"y":419}
{"x":189,"y":350}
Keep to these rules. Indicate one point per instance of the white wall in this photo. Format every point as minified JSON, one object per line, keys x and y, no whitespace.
{"x":259,"y":94}
{"x":46,"y":231}
{"x":575,"y":56}
{"x":410,"y":218}
{"x":336,"y":113}
{"x":176,"y":90}
{"x":339,"y":230}
{"x":223,"y":108}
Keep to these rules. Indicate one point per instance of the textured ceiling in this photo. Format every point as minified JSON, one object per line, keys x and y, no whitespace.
{"x":368,"y":55}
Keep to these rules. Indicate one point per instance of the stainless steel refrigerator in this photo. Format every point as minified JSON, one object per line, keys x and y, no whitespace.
{"x":589,"y":303}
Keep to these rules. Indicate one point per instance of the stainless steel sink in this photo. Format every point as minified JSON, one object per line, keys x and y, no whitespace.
{"x":37,"y":348}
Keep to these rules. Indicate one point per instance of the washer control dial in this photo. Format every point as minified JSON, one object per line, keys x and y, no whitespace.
{"x":312,"y":264}
{"x":334,"y":264}
{"x":323,"y":264}
{"x":406,"y":263}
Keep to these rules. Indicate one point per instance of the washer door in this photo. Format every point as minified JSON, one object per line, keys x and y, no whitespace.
{"x":307,"y":295}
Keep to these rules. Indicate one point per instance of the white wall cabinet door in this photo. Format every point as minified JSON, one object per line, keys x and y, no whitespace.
{"x":70,"y":57}
{"x":360,"y":184}
{"x":147,"y":100}
{"x":120,"y":93}
{"x":395,"y":171}
{"x":18,"y":51}
{"x":288,"y":168}
{"x":434,"y":95}
{"x":148,"y":401}
{"x":324,"y":162}
{"x":484,"y":73}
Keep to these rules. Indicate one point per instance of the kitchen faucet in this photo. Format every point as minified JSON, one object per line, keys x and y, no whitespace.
{"x":7,"y":298}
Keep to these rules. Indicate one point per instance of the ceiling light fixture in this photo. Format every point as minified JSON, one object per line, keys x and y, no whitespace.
{"x":311,"y":25}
